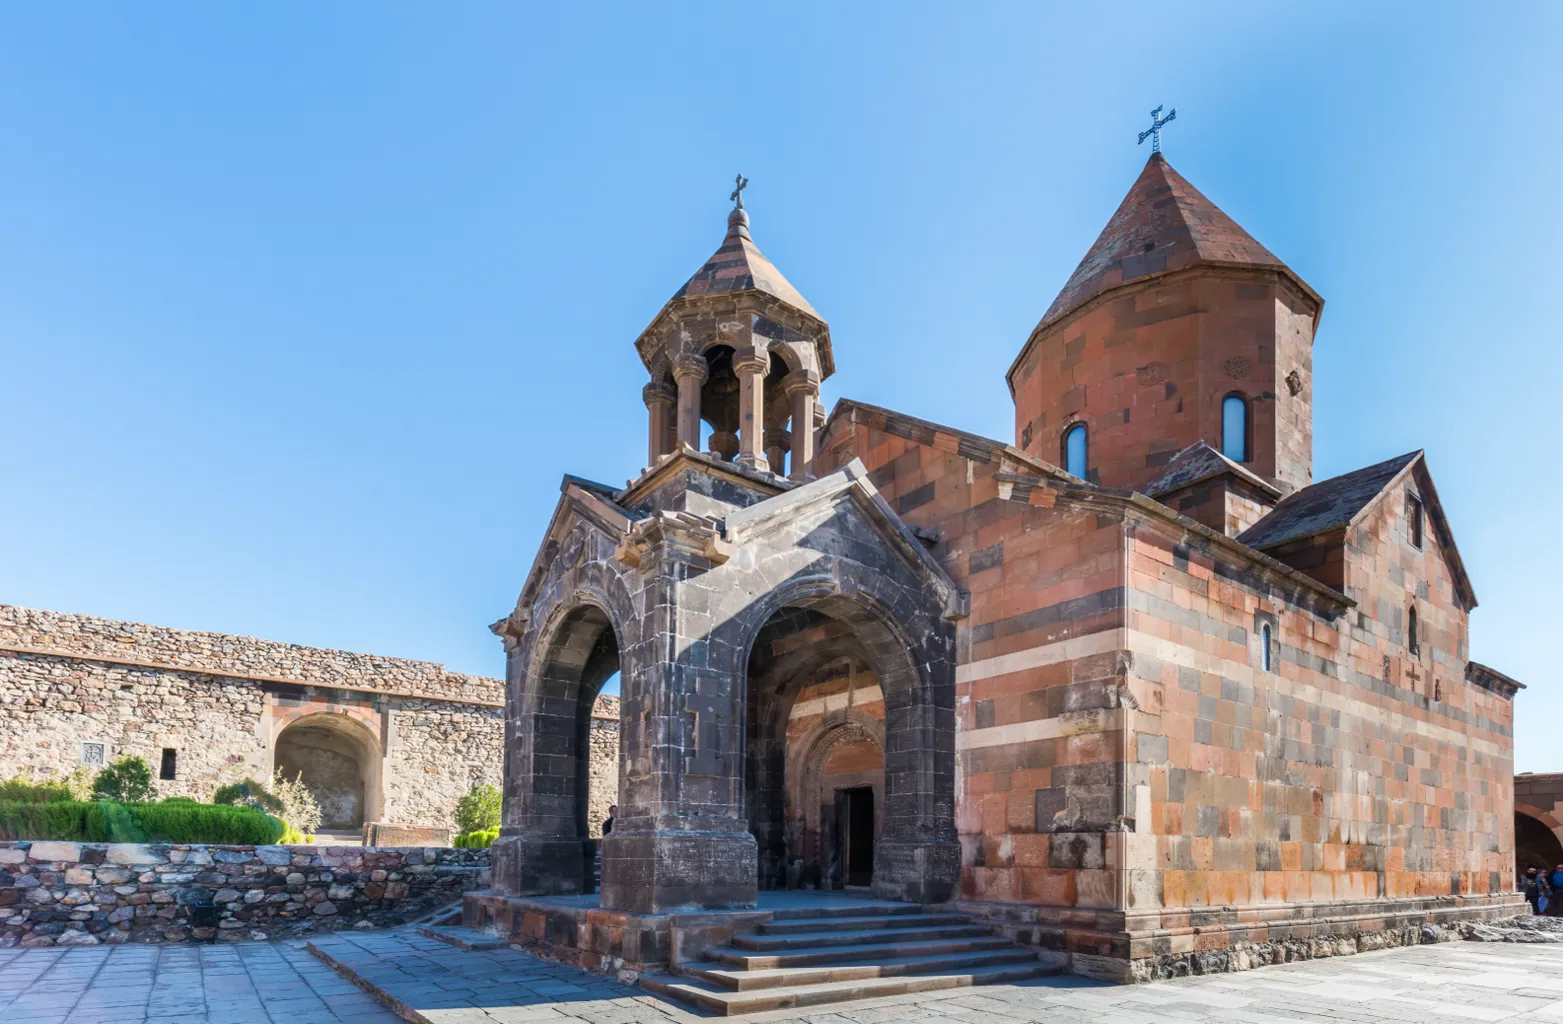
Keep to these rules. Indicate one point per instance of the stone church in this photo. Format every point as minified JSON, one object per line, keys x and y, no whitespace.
{"x":1132,"y":687}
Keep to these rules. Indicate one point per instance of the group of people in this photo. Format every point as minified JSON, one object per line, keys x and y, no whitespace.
{"x":1543,"y":890}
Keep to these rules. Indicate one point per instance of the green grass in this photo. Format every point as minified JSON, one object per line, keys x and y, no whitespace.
{"x":479,"y":839}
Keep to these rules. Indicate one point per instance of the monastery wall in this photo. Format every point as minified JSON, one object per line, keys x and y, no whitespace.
{"x":77,"y":689}
{"x":44,"y":632}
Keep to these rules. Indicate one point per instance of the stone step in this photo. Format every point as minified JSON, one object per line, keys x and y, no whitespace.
{"x":892,"y":967}
{"x":749,"y":960}
{"x":856,"y":937}
{"x":725,"y":1001}
{"x":866,"y":908}
{"x":462,"y":937}
{"x":815,"y":924}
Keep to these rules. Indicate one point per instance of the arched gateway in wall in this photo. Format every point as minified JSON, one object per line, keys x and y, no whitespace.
{"x":719,"y":620}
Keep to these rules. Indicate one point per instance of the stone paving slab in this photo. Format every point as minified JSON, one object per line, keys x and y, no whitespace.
{"x":269,"y":983}
{"x":243,"y":983}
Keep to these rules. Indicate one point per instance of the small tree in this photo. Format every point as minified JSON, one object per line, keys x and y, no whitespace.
{"x":298,"y":806}
{"x":288,"y":799}
{"x":127,"y":780}
{"x":479,"y":809}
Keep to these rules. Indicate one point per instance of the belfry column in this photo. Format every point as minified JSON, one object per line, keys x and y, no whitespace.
{"x":777,"y":441}
{"x":660,"y":400}
{"x":751,"y":365}
{"x":802,"y":386}
{"x":690,"y":372}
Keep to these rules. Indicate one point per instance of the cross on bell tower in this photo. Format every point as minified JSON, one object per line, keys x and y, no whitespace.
{"x":1154,"y":131}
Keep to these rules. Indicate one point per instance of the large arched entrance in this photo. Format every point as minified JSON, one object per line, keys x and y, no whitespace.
{"x":548,"y":800}
{"x":338,"y":760}
{"x":844,"y":742}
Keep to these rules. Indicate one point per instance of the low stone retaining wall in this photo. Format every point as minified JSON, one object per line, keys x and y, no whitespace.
{"x":64,"y":894}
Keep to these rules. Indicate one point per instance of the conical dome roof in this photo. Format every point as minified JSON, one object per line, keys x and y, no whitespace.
{"x":1164,"y":223}
{"x":739,"y":266}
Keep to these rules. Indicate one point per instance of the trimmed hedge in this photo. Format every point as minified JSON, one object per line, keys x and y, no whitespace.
{"x":478,"y":839}
{"x":26,"y":791}
{"x":109,"y":822}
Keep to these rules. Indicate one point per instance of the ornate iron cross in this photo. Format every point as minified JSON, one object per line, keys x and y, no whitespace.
{"x":1154,"y":131}
{"x":738,"y":193}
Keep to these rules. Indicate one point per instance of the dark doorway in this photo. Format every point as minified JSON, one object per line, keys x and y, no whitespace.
{"x":855,"y":829}
{"x":1534,"y":845}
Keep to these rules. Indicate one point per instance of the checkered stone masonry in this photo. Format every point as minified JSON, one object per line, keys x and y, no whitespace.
{"x":1134,"y":792}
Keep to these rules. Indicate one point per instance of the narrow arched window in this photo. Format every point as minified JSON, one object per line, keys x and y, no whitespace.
{"x":1264,"y":647}
{"x":1234,"y":428}
{"x":1074,"y":450}
{"x":1412,"y":640}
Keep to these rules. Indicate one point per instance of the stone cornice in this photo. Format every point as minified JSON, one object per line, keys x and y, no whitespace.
{"x":796,"y":322}
{"x":688,"y":458}
{"x":1491,"y":679}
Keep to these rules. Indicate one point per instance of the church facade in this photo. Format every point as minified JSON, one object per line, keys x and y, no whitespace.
{"x":1132,"y":688}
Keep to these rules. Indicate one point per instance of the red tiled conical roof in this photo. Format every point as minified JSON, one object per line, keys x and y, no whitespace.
{"x":1164,"y":223}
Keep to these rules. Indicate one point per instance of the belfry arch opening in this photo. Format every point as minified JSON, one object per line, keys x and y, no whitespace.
{"x":338,"y":760}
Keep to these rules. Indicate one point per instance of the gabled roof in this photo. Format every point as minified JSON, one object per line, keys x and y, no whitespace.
{"x":1342,"y":501}
{"x":852,"y":480}
{"x":1199,"y":462}
{"x":1163,"y":224}
{"x":1327,"y":505}
{"x":739,"y":266}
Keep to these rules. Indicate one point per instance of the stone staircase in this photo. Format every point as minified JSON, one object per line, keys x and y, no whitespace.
{"x":815,"y":955}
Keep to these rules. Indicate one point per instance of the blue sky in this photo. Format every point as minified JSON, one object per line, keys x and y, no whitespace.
{"x":305,"y":308}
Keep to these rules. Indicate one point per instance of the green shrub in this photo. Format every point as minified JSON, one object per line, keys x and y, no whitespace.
{"x":127,"y":780}
{"x":247,"y":792}
{"x":107,"y":821}
{"x":478,"y":811}
{"x":477,"y":839}
{"x":178,"y":800}
{"x":291,"y":836}
{"x":24,"y":789}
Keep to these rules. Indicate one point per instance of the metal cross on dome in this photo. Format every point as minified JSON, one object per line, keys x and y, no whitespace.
{"x":1154,"y":131}
{"x":738,"y":193}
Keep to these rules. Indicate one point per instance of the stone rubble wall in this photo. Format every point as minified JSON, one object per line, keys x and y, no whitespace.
{"x":603,"y":744}
{"x":51,"y":706}
{"x":83,"y":894}
{"x":88,"y":636}
{"x":222,"y":701}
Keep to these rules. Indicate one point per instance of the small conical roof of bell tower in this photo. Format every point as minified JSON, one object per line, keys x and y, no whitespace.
{"x":1163,"y":224}
{"x":739,"y":266}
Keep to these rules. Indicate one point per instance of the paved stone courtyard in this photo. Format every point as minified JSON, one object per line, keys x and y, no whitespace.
{"x":283,"y":982}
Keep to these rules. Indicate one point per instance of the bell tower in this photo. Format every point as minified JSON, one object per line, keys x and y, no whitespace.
{"x":738,"y":349}
{"x":1177,"y":327}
